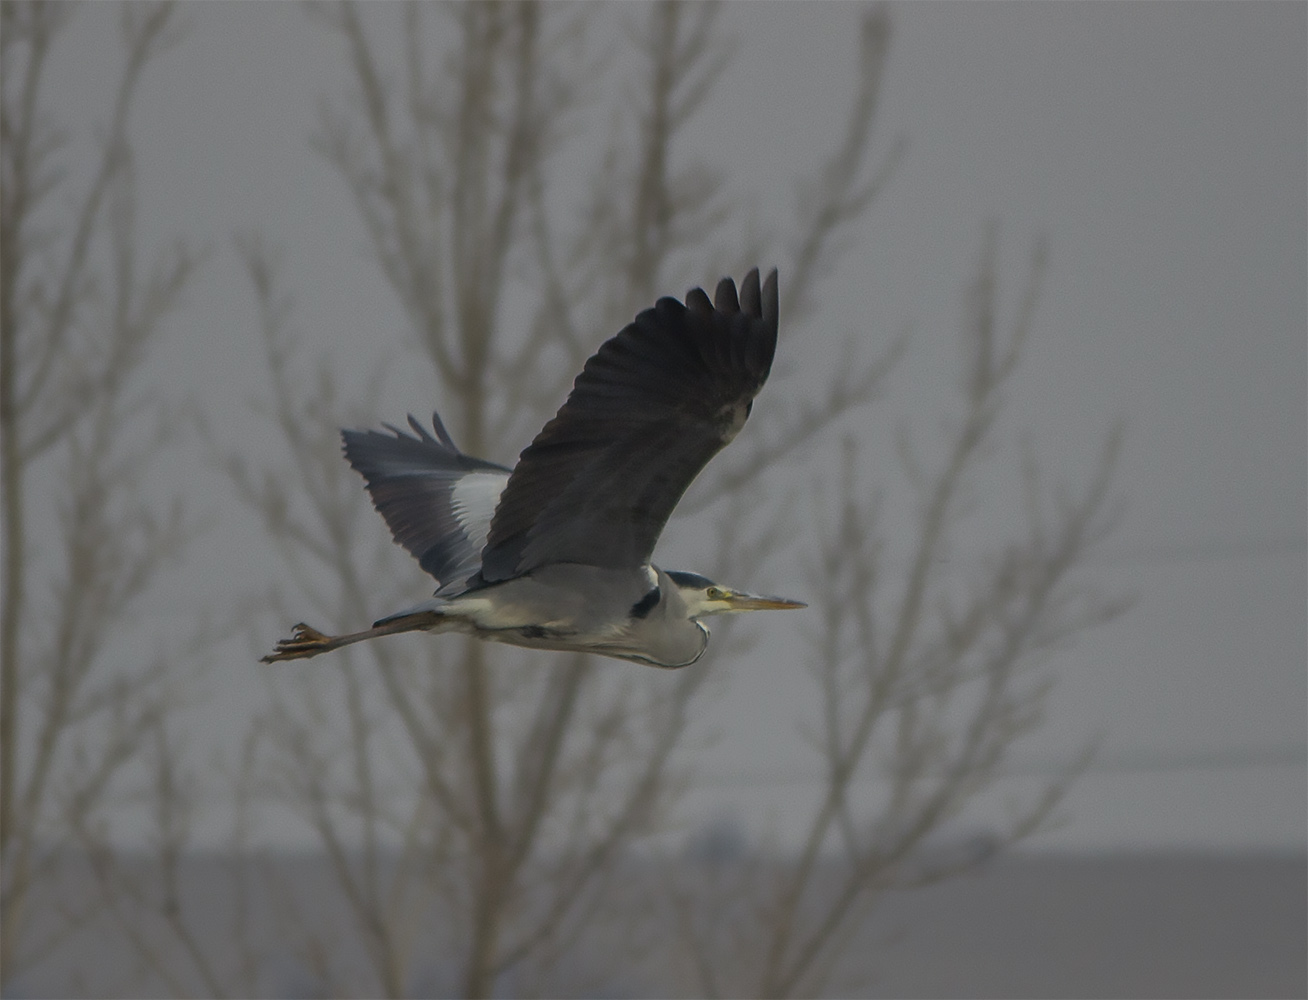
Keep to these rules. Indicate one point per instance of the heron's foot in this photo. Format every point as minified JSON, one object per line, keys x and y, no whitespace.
{"x":304,"y":642}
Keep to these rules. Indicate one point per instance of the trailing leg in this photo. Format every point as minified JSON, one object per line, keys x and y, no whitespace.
{"x":307,"y":641}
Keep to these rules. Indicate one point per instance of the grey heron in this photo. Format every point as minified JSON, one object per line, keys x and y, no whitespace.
{"x":555,"y":553}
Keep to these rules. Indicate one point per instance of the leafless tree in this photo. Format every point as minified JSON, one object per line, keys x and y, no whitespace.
{"x":78,"y":317}
{"x":924,"y":689}
{"x":517,"y":787}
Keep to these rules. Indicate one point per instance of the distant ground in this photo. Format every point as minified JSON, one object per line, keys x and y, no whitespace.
{"x":1029,"y":925}
{"x":1153,"y":925}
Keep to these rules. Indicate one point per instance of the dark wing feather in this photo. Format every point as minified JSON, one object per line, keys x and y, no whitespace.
{"x":646,"y":414}
{"x":437,"y":501}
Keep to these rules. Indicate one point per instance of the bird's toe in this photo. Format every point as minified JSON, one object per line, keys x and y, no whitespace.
{"x":304,"y":641}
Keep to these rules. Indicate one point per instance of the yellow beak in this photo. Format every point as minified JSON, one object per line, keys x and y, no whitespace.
{"x":750,"y":602}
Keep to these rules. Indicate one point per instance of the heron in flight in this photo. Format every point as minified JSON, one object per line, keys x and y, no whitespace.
{"x":554,"y":553}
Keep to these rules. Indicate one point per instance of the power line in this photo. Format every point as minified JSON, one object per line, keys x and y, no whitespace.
{"x":1210,"y":550}
{"x":1121,"y":762}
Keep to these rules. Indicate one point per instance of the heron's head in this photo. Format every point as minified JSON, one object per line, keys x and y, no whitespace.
{"x":704,"y":597}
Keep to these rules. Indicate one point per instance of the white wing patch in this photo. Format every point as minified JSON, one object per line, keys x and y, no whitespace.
{"x":473,"y":501}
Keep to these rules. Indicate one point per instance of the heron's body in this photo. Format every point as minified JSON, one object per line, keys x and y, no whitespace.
{"x":554,"y":554}
{"x":640,"y":615}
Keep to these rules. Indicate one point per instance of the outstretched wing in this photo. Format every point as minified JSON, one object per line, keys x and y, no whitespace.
{"x":437,"y":501}
{"x":648,"y":411}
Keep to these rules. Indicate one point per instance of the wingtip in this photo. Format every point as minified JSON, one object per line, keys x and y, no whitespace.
{"x":421,"y":431}
{"x":724,"y":299}
{"x":439,"y":426}
{"x":759,"y":302}
{"x":771,"y":303}
{"x":750,"y":303}
{"x":698,"y":301}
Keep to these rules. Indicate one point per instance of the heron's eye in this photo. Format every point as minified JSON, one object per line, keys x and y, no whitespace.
{"x":715,"y":594}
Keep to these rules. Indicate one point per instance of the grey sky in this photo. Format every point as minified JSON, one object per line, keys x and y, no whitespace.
{"x":1161,"y":149}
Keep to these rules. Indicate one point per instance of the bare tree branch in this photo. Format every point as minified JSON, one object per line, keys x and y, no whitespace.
{"x":927,"y":694}
{"x":77,"y":321}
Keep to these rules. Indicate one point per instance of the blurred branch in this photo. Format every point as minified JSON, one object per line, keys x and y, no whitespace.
{"x":939,"y":692}
{"x":841,"y":193}
{"x":77,"y":322}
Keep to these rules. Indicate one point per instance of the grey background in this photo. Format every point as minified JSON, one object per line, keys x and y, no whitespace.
{"x":1161,"y":149}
